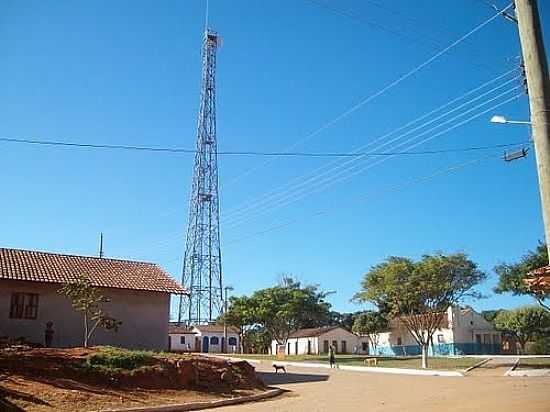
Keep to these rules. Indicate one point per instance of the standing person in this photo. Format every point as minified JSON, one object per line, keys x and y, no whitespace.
{"x":331,"y":357}
{"x":48,"y":334}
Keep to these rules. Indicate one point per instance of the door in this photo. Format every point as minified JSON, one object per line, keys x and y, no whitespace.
{"x":205,"y":344}
{"x":344,"y":346}
{"x":296,"y":347}
{"x":325,"y":346}
{"x":309,"y":347}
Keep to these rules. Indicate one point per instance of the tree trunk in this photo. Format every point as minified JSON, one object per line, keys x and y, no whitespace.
{"x":85,"y":330}
{"x":424,"y":356}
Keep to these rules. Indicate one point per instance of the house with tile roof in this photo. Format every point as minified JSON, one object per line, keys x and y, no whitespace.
{"x":138,"y":293}
{"x":203,"y":338}
{"x":316,"y":341}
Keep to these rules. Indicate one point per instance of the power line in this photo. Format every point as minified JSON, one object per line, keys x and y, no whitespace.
{"x":273,"y":193}
{"x":331,"y":180}
{"x":380,"y":92}
{"x":394,"y":188}
{"x":301,"y":180}
{"x":250,"y":153}
{"x":342,"y":168}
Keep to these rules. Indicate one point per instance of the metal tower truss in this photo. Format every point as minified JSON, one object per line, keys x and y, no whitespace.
{"x":202,"y":270}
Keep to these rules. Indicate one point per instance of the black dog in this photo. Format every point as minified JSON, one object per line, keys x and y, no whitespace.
{"x":277,"y":367}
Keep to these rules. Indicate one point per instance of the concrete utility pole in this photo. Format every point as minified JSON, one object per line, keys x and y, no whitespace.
{"x":538,"y":84}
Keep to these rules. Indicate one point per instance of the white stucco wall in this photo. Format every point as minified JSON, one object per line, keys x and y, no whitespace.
{"x":216,"y":348}
{"x":338,"y":335}
{"x":144,"y":317}
{"x":176,"y":345}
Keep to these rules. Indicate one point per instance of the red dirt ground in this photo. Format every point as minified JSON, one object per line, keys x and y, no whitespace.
{"x":56,"y":380}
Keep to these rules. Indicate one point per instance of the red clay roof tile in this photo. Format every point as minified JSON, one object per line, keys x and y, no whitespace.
{"x":33,"y":266}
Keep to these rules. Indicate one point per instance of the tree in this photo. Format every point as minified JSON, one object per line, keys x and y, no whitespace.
{"x":490,"y":315}
{"x":419,"y":293}
{"x":241,"y":315}
{"x":344,"y":320}
{"x":257,"y":340}
{"x":370,"y":324}
{"x":511,"y":276}
{"x":87,"y":299}
{"x":525,"y":323}
{"x":281,"y":309}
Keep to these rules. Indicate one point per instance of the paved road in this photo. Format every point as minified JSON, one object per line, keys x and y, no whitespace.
{"x":320,"y":390}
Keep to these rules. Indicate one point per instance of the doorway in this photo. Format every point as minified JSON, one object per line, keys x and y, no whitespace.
{"x":205,"y":344}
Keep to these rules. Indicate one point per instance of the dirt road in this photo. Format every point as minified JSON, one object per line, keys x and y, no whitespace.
{"x":319,"y":390}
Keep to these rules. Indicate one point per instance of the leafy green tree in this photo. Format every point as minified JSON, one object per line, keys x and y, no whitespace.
{"x":345,"y":320}
{"x":257,"y":340}
{"x":370,"y":324}
{"x":241,"y":315}
{"x":419,"y":293}
{"x":490,"y":315}
{"x":525,"y":323}
{"x":512,"y":275}
{"x":287,"y":307}
{"x":87,"y":299}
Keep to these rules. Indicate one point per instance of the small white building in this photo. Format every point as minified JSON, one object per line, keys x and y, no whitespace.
{"x":316,"y":341}
{"x":462,"y":332}
{"x":203,"y":338}
{"x":181,"y":338}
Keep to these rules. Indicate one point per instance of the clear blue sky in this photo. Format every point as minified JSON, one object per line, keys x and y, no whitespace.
{"x":128,"y":72}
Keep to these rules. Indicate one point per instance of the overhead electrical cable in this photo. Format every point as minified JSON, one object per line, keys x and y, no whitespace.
{"x":378,"y":93}
{"x":393,"y":188}
{"x":316,"y":172}
{"x":332,"y":180}
{"x":355,"y":162}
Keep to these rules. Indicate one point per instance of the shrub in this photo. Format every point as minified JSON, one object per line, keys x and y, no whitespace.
{"x":540,"y":347}
{"x":115,"y":358}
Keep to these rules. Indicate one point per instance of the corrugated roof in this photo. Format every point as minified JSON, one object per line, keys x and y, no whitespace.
{"x":45,"y":267}
{"x":312,"y":332}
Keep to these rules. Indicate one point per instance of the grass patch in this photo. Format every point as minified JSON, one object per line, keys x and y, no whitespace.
{"x":534,"y":363}
{"x":385,"y":362}
{"x":116,"y":358}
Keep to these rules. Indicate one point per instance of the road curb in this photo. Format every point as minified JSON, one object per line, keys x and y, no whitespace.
{"x":477,"y":365}
{"x":513,"y":368}
{"x":196,"y":406}
{"x":394,"y":371}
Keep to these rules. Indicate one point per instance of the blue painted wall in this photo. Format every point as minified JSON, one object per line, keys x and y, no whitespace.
{"x":438,"y":350}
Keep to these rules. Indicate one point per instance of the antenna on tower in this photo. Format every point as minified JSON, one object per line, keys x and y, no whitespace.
{"x":101,"y":245}
{"x":206,"y":18}
{"x":202,"y":270}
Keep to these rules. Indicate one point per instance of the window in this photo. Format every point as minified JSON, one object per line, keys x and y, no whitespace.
{"x":232,"y":341}
{"x":214,"y":340}
{"x":399,"y":341}
{"x":24,"y":306}
{"x":182,"y":340}
{"x":440,"y":339}
{"x":365,"y":346}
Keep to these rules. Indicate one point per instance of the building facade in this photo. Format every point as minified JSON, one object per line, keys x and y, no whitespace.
{"x":203,"y":338}
{"x":138,"y":294}
{"x":316,"y":341}
{"x":463,"y":332}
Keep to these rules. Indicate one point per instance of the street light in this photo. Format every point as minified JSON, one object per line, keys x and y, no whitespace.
{"x":224,"y":346}
{"x":503,"y":120}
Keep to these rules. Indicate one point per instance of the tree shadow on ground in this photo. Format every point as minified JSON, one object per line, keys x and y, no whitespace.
{"x":271,"y":378}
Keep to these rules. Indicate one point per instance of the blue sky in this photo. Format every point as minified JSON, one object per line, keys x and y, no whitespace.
{"x":129,"y":73}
